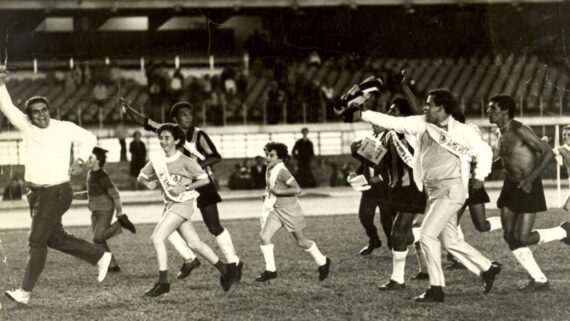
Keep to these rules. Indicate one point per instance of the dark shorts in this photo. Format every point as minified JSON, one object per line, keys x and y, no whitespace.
{"x":520,"y":202}
{"x":208,"y":196}
{"x":408,"y":199}
{"x":479,"y":196}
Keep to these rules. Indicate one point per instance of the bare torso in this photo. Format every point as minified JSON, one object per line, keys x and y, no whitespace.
{"x":518,"y":158}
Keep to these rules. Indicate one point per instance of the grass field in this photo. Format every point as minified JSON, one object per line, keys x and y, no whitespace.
{"x":68,"y":290}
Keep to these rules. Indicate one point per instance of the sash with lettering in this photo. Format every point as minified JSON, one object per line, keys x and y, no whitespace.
{"x":168,"y":183}
{"x":270,"y":198}
{"x":443,"y":138}
{"x":402,"y":150}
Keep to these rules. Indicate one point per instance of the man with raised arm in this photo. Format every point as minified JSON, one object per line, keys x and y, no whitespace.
{"x":523,"y":156}
{"x":444,"y":150}
{"x":46,"y":152}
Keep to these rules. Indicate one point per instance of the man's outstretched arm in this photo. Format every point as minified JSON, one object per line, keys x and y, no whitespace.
{"x":139,"y":118}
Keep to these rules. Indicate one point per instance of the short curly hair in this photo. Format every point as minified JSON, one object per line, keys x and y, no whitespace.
{"x":175,"y":130}
{"x":279,"y":148}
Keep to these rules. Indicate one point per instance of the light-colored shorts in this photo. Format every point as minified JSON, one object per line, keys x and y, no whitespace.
{"x":184,"y":209}
{"x":288,"y":213}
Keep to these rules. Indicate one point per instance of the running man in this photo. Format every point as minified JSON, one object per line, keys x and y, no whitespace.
{"x":523,"y":156}
{"x":46,"y":144}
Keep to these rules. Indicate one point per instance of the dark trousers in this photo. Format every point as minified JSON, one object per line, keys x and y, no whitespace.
{"x":211,"y":218}
{"x":366,"y":214}
{"x":305,"y":176}
{"x":104,"y":230}
{"x":47,"y":206}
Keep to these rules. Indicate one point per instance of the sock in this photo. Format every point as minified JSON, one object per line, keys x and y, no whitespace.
{"x":319,"y":258}
{"x":225,"y":244}
{"x":181,"y":247}
{"x":495,"y":223}
{"x":460,"y":235}
{"x":398,"y":265}
{"x":526,"y":259}
{"x":551,"y":234}
{"x":220,"y":266}
{"x":421,"y":258}
{"x":416,"y":233}
{"x":267,"y":251}
{"x":163,"y":276}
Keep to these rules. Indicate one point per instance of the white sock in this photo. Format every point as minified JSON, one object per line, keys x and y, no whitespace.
{"x":526,"y":259}
{"x":460,"y":235}
{"x":181,"y":247}
{"x":267,"y":251}
{"x":319,"y":258}
{"x":416,"y":233}
{"x":225,"y":244}
{"x":398,"y":265}
{"x":495,"y":222}
{"x":551,"y":234}
{"x":421,"y":258}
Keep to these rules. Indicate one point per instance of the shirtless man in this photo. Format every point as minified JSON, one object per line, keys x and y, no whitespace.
{"x":523,"y":156}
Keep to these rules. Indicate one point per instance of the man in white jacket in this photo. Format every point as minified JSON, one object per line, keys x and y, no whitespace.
{"x":46,"y":146}
{"x":444,"y":149}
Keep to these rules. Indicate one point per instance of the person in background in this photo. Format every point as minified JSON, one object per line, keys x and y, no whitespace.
{"x":258,"y":173}
{"x":138,"y":155}
{"x":303,"y":152}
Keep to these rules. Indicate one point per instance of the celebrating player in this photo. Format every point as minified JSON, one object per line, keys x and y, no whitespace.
{"x":198,"y":145}
{"x":523,"y":156}
{"x":178,"y":176}
{"x":281,"y":208}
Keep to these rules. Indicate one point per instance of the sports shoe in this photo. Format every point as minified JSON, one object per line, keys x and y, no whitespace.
{"x":489,"y":276}
{"x":114,"y":269}
{"x":103,"y":265}
{"x":19,"y":296}
{"x":566,"y":227}
{"x":266,"y":276}
{"x":433,"y":294}
{"x":126,"y":223}
{"x":368,"y":249}
{"x":187,"y":268}
{"x":238,"y":271}
{"x":158,"y":289}
{"x":228,"y":278}
{"x":392,"y":286}
{"x":324,"y":270}
{"x":534,"y":286}
{"x":420,"y":276}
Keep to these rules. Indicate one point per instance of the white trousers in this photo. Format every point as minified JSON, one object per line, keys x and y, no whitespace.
{"x":445,"y":198}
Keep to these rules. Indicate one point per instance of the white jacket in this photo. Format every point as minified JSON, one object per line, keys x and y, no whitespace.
{"x":413,"y":127}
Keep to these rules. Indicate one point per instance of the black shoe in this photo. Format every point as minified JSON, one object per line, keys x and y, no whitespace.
{"x":228,"y":279}
{"x":266,"y":276}
{"x":368,"y":249}
{"x":566,"y":226}
{"x":158,"y":289}
{"x":324,"y":270}
{"x":238,"y":271}
{"x":392,"y":286}
{"x":126,"y":223}
{"x":433,"y":294}
{"x":187,"y":268}
{"x":114,"y":269}
{"x":534,"y":286}
{"x":489,"y":276}
{"x":420,"y":276}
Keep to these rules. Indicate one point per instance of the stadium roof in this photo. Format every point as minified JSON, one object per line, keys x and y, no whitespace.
{"x":193,"y":4}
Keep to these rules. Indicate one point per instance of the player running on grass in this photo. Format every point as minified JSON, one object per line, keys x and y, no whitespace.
{"x":199,"y":146}
{"x":281,"y":208}
{"x":523,"y":156}
{"x":103,"y":198}
{"x":178,"y":176}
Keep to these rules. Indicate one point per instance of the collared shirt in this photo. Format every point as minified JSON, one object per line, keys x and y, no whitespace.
{"x":46,"y":151}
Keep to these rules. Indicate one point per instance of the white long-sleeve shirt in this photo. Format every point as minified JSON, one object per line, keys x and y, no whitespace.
{"x":415,"y":126}
{"x":47,"y":151}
